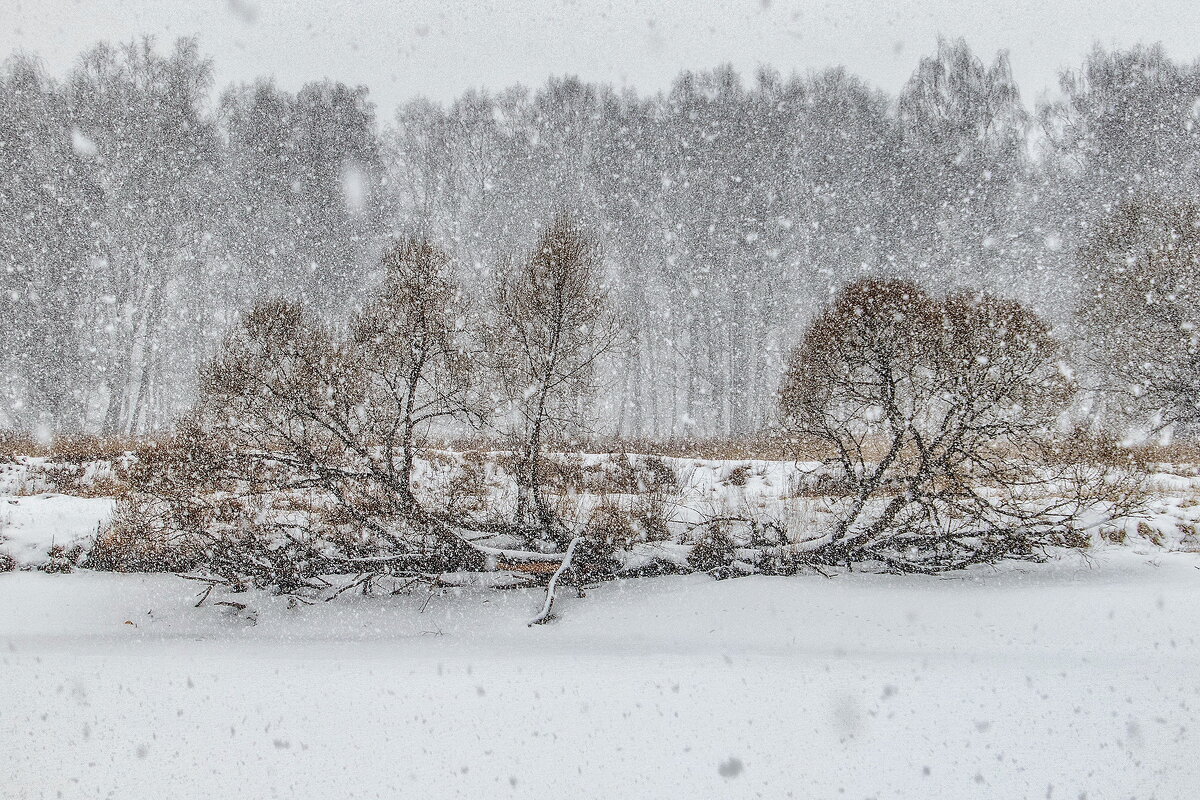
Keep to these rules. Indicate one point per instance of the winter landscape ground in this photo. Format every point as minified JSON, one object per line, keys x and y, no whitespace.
{"x":1071,"y":678}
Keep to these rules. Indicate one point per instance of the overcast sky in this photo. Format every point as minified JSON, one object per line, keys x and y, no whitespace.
{"x":438,"y":48}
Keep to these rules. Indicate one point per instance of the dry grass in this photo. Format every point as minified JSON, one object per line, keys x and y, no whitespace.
{"x":135,"y":541}
{"x":1150,"y":533}
{"x":767,"y":446}
{"x":68,"y":456}
{"x":775,"y":446}
{"x":70,"y":449}
{"x":84,"y":466}
{"x":761,"y":446}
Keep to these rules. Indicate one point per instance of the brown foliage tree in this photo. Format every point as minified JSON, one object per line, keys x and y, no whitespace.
{"x":939,"y":417}
{"x":327,"y":425}
{"x":552,"y":324}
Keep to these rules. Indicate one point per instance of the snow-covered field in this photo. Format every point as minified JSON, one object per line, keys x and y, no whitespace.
{"x":37,"y":514}
{"x":1076,"y":678}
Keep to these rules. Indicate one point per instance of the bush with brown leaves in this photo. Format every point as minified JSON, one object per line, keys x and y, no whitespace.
{"x":941,"y":415}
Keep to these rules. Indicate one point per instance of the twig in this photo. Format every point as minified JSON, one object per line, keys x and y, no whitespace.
{"x":429,"y":598}
{"x":203,"y":579}
{"x":357,"y":581}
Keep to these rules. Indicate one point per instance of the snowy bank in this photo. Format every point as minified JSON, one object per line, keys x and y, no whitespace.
{"x":31,"y":525}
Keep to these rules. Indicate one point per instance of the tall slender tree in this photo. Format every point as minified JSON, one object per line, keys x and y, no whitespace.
{"x":551,"y":326}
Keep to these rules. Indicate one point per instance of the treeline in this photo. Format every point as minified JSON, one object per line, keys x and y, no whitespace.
{"x":142,"y":212}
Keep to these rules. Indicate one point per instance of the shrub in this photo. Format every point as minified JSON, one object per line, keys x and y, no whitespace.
{"x":135,"y":541}
{"x":302,"y":445}
{"x":941,"y":416}
{"x":62,"y":559}
{"x":714,"y":549}
{"x":738,"y":476}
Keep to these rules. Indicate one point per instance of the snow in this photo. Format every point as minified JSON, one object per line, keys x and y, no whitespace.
{"x":1070,"y":678}
{"x":1057,"y":680}
{"x":785,"y":493}
{"x":32,"y":524}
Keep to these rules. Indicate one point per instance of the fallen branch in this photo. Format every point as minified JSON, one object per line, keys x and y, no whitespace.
{"x":530,"y":567}
{"x":546,"y":615}
{"x":203,"y":579}
{"x":516,"y":555}
{"x":377,"y":559}
{"x":204,"y":595}
{"x":359,"y":581}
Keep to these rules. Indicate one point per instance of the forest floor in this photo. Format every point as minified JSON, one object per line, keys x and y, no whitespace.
{"x":1074,"y":678}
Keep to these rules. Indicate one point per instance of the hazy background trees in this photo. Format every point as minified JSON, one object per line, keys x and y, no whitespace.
{"x":1141,"y":310}
{"x":143,"y":210}
{"x":47,"y":204}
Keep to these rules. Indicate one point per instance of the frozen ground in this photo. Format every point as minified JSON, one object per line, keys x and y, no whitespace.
{"x":1070,"y":679}
{"x":32,"y":524}
{"x":37,"y":513}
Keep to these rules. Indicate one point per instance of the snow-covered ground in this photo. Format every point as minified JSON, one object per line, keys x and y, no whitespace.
{"x":1076,"y":678}
{"x":36,"y":513}
{"x":30,"y":525}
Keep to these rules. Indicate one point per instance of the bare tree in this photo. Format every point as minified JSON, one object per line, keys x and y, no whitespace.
{"x":329,"y":426}
{"x":938,"y":416}
{"x":552,"y":324}
{"x":1141,"y":307}
{"x":411,"y":344}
